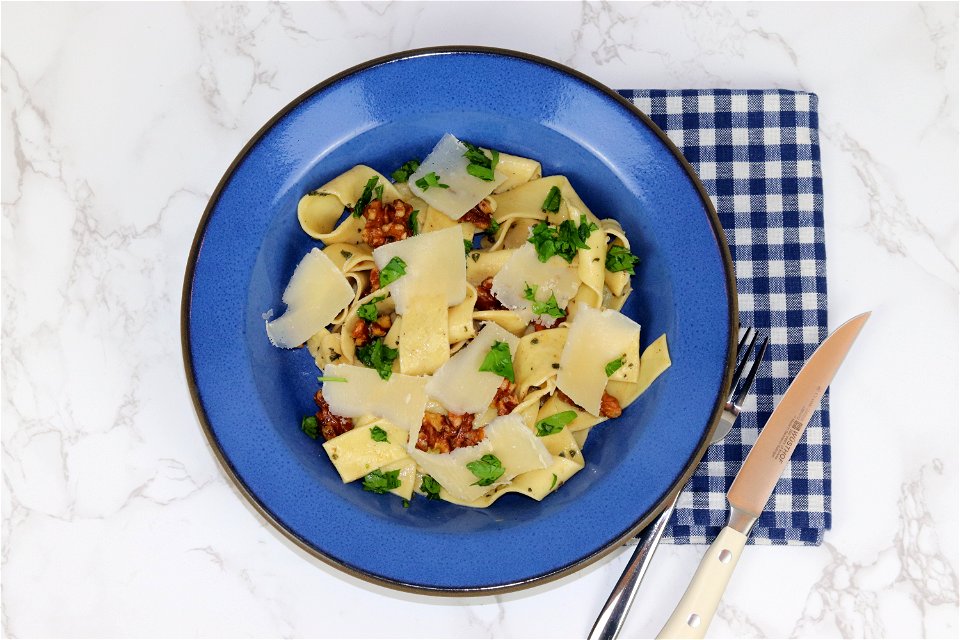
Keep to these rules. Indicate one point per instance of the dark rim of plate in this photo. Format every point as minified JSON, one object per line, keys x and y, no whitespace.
{"x":593,"y":555}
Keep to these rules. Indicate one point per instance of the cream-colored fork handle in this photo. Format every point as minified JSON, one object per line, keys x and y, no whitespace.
{"x":695,"y":611}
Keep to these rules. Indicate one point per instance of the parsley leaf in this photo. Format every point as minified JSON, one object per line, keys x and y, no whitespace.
{"x":405,"y":503}
{"x":310,"y":426}
{"x":365,"y":196}
{"x":554,"y":483}
{"x":378,"y":435}
{"x":430,"y":487}
{"x":498,"y":361}
{"x":392,"y":271}
{"x":403,"y":173}
{"x":613,"y":365}
{"x":377,"y":355}
{"x":620,"y":259}
{"x":480,"y":165}
{"x":550,"y":307}
{"x":493,"y":229}
{"x":563,"y":241}
{"x":467,"y":246}
{"x":346,"y":254}
{"x":413,"y":225}
{"x":381,"y":481}
{"x":369,"y":311}
{"x":431,"y":180}
{"x":330,"y":379}
{"x":552,"y":202}
{"x":555,"y":423}
{"x":487,"y":469}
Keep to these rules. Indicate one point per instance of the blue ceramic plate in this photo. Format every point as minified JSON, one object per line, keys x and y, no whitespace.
{"x":251,"y":396}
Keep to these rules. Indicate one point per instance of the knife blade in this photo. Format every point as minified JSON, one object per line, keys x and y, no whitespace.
{"x":756,"y":480}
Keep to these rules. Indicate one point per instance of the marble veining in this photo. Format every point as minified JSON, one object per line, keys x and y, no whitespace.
{"x":118,"y":121}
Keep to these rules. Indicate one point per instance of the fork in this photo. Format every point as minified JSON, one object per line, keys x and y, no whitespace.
{"x":615,"y":610}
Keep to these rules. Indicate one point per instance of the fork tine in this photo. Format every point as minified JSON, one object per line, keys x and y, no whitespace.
{"x":747,"y":381}
{"x":742,"y":357}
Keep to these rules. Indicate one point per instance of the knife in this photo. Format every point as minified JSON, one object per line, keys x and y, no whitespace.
{"x":755,"y":482}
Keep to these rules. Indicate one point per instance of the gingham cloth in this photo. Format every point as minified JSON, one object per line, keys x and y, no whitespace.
{"x":758,"y":155}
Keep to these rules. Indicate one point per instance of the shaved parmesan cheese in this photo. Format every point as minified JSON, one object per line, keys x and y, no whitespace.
{"x":515,"y":444}
{"x":450,"y":469}
{"x":459,"y":385}
{"x":596,"y":338}
{"x":434,"y":265}
{"x":463,"y":190}
{"x":316,"y":293}
{"x":507,"y":437}
{"x":523,"y":269}
{"x":401,"y":399}
{"x":355,"y":453}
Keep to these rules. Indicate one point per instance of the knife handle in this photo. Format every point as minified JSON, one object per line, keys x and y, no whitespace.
{"x":699,"y":603}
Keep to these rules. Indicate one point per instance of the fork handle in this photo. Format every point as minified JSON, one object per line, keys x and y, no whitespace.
{"x":614,"y":612}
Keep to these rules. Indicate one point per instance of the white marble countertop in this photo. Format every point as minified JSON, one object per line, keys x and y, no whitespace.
{"x":118,"y":121}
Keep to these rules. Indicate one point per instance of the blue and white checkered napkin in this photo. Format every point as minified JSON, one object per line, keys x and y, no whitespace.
{"x":758,"y":154}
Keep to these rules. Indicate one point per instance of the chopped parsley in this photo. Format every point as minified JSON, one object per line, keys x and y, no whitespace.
{"x":368,"y":311}
{"x":613,"y":365}
{"x":431,"y":180}
{"x":330,"y":379}
{"x":493,"y":229}
{"x":392,"y":271}
{"x":378,"y":435}
{"x":563,"y":241}
{"x":381,"y":481}
{"x":498,"y":361}
{"x":552,"y":202}
{"x":377,"y":355}
{"x":405,"y":503}
{"x":346,"y":254}
{"x":555,"y":423}
{"x":467,"y":246}
{"x":430,"y":487}
{"x":550,"y":307}
{"x":487,"y":469}
{"x":310,"y":426}
{"x":554,"y":483}
{"x":403,"y":173}
{"x":620,"y":259}
{"x":413,"y":225}
{"x":480,"y":165}
{"x":365,"y":196}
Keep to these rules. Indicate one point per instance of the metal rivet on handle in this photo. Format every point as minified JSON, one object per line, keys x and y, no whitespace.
{"x":725,"y":556}
{"x":693,"y":621}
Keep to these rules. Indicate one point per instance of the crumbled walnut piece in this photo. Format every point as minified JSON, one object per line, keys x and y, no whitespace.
{"x":479,"y":215}
{"x":543,"y":327}
{"x":374,"y":280}
{"x":386,"y":223}
{"x":485,"y":299}
{"x":365,"y":331}
{"x":360,"y":333}
{"x":444,"y":433}
{"x":610,"y":406}
{"x":506,"y":398}
{"x":331,"y":425}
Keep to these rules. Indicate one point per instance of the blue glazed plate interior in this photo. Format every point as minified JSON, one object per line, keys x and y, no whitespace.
{"x":252,"y":396}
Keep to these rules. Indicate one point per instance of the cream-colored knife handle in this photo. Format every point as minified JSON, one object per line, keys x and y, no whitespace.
{"x":693,"y":615}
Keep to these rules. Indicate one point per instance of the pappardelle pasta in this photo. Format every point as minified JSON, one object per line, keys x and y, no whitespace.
{"x":466,"y":320}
